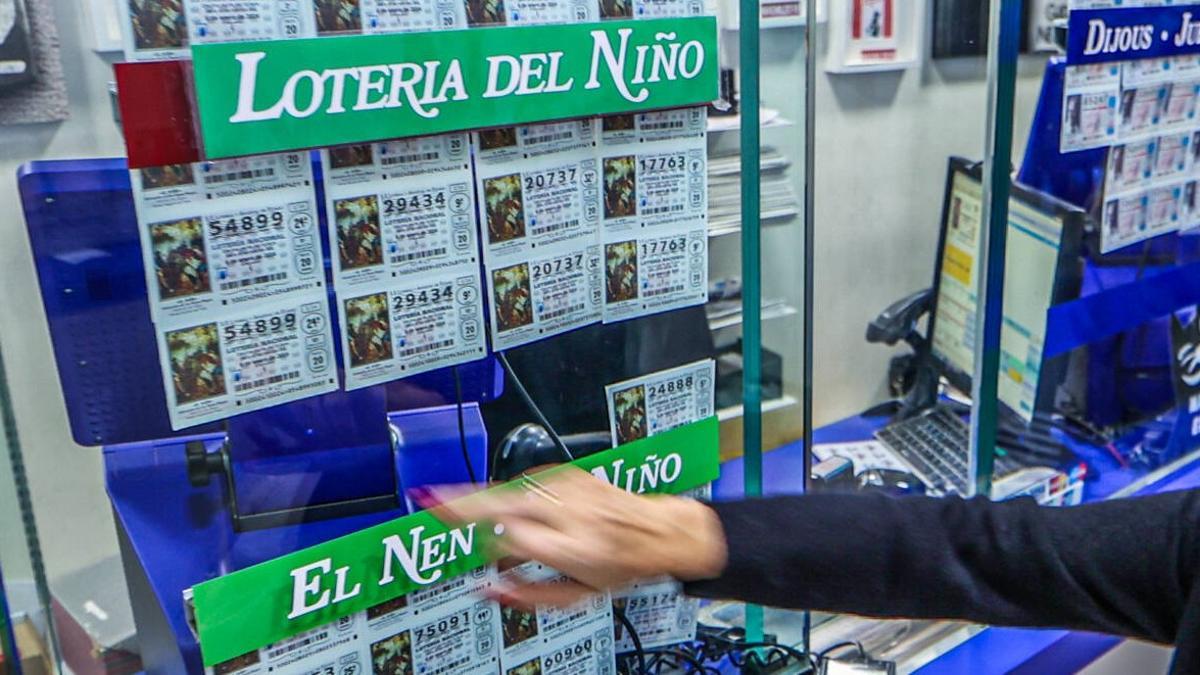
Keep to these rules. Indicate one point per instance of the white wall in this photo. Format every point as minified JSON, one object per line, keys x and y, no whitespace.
{"x":66,"y":480}
{"x":882,"y":142}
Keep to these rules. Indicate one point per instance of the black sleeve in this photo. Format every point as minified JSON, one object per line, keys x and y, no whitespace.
{"x":1124,"y":567}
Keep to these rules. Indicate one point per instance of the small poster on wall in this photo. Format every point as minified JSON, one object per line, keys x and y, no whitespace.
{"x":873,"y":35}
{"x":873,"y":30}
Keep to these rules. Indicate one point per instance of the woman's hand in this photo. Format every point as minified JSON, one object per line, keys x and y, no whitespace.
{"x":599,"y":536}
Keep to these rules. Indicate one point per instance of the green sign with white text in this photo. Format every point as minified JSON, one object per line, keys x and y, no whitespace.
{"x":272,"y":96}
{"x":248,"y":609}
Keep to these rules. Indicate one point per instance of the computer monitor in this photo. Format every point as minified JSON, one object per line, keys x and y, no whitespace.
{"x":1042,"y":268}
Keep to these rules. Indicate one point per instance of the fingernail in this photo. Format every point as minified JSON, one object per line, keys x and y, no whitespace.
{"x":422,"y":496}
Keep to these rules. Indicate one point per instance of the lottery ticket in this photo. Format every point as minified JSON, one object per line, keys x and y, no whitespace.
{"x":423,"y":324}
{"x":658,"y":402}
{"x":346,"y":166}
{"x":217,"y":236}
{"x":665,"y":125}
{"x":249,"y":360}
{"x":1179,"y":104}
{"x":448,"y":628}
{"x":540,"y":224}
{"x":331,"y":649}
{"x":545,"y":296}
{"x":1140,"y":111}
{"x":399,"y":210}
{"x":484,"y":13}
{"x":1162,"y":209}
{"x":1171,"y":157}
{"x":650,"y":9}
{"x":660,"y":613}
{"x":654,"y":186}
{"x":646,"y":274}
{"x":1122,"y":222}
{"x":1090,"y":96}
{"x":225,"y":21}
{"x":1189,"y":213}
{"x":342,"y":17}
{"x":502,"y":145}
{"x":153,"y":30}
{"x":575,"y":640}
{"x":1130,"y":167}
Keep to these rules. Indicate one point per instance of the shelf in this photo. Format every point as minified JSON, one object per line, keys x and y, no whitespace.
{"x":768,"y":119}
{"x":770,"y":405}
{"x":768,"y":313}
{"x":769,"y":218}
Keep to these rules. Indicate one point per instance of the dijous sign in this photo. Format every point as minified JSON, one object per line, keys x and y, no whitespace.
{"x":243,"y":611}
{"x":257,"y":97}
{"x":1124,"y":34}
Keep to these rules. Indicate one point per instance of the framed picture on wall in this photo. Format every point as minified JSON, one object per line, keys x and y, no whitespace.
{"x":873,"y":35}
{"x":960,"y":27}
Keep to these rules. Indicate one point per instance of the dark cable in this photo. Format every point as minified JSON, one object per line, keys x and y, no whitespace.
{"x":633,"y":637}
{"x":694,"y":664}
{"x":533,"y":407}
{"x":842,"y":645}
{"x":462,"y":427}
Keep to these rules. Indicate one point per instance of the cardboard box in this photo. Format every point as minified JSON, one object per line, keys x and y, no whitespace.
{"x":95,"y":622}
{"x":34,"y":657}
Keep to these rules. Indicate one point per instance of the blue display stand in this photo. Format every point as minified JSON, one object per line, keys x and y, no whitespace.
{"x":352,"y":454}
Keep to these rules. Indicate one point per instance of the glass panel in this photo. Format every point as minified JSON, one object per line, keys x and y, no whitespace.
{"x":1108,"y":391}
{"x":900,"y":217}
{"x":146,"y":485}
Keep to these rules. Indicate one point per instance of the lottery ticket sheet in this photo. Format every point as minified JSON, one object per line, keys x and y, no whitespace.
{"x":654,"y":210}
{"x":401,"y":218}
{"x":218,"y":236}
{"x":575,"y":640}
{"x":1150,"y":189}
{"x":164,"y":29}
{"x":651,"y":404}
{"x":485,"y":13}
{"x":450,"y":628}
{"x":539,"y":221}
{"x":265,"y":355}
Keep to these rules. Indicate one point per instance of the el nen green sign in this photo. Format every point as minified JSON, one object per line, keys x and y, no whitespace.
{"x":272,"y":96}
{"x":248,"y":609}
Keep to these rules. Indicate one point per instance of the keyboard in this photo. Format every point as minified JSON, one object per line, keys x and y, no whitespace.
{"x":937,"y":444}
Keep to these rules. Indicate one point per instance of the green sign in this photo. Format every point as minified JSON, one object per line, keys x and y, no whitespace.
{"x":248,"y":609}
{"x":272,"y":96}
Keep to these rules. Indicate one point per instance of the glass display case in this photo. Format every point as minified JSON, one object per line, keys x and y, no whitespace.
{"x":727,"y":249}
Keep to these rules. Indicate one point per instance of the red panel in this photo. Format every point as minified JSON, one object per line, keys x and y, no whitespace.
{"x":156,"y":113}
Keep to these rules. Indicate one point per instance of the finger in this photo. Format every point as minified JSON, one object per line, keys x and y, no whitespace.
{"x":540,"y":503}
{"x":560,"y":593}
{"x":531,"y":540}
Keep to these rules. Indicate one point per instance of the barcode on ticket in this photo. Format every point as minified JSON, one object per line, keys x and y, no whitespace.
{"x":264,"y":279}
{"x":554,"y":314}
{"x":421,"y":349}
{"x":664,"y":290}
{"x":238,"y":175}
{"x":274,"y":379}
{"x":419,"y":255}
{"x":555,"y":227}
{"x":548,"y":138}
{"x":405,"y":159}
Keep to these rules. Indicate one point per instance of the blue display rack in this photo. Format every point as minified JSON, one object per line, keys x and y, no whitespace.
{"x":1127,"y":294}
{"x":358,"y":451}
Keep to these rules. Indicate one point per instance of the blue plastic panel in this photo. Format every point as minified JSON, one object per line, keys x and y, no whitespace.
{"x":83,"y":231}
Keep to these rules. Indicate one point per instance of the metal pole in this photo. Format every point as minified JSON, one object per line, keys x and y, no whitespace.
{"x":1004,"y":33}
{"x":751,"y":273}
{"x":810,"y":196}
